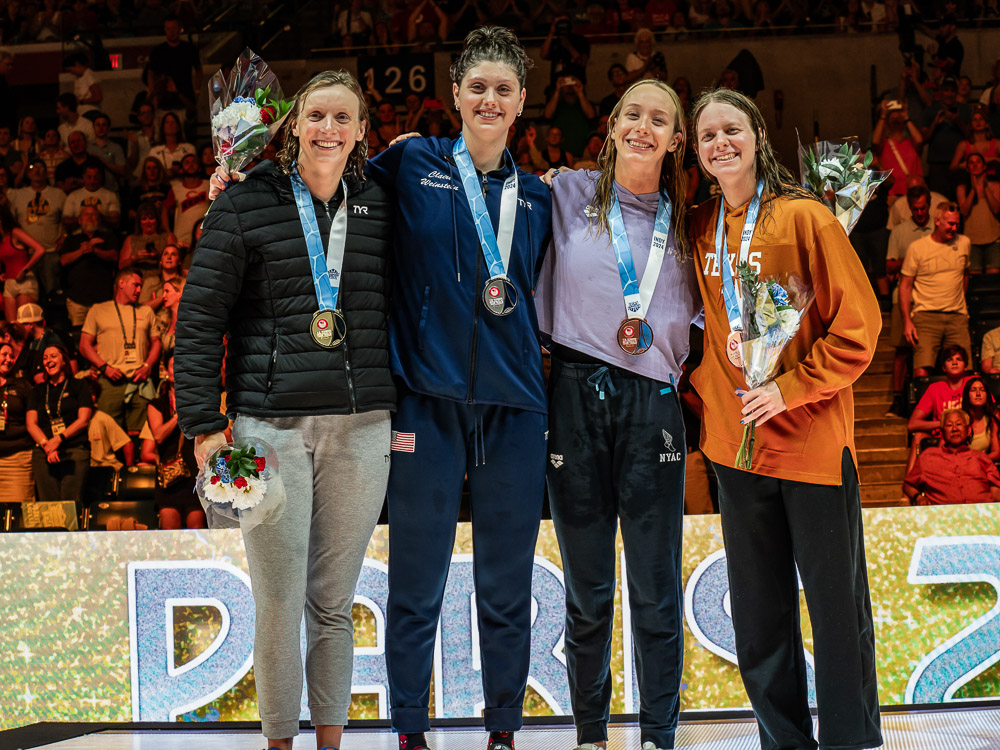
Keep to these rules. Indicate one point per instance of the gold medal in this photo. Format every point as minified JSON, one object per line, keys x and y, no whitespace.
{"x":328,"y":328}
{"x":733,"y":348}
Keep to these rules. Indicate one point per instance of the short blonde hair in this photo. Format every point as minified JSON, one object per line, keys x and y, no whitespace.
{"x":948,"y":412}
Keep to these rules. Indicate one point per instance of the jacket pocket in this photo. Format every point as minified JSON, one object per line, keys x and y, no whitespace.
{"x":273,"y":362}
{"x":424,"y":312}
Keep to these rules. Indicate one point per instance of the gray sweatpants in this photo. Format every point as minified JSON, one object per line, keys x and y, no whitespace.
{"x":335,"y":470}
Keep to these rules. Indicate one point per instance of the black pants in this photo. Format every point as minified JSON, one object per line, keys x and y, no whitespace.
{"x":618,"y":458}
{"x":770,"y":526}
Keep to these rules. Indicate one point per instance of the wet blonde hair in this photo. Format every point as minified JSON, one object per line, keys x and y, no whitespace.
{"x":289,"y":152}
{"x":673,"y":178}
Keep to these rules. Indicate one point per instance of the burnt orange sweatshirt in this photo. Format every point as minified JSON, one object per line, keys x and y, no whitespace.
{"x":832,"y":348}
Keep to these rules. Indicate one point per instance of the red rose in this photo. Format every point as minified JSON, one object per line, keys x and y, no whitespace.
{"x":267,"y":114}
{"x":260,"y":463}
{"x":215,"y":479}
{"x":240,"y":482}
{"x":227,"y":457}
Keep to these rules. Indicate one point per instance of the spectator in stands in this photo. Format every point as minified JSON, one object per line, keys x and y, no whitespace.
{"x":553,"y":152}
{"x":69,"y":173}
{"x":729,"y":79}
{"x":939,"y":396}
{"x":165,"y":445}
{"x":588,"y":160}
{"x":981,"y":141}
{"x":984,"y":422}
{"x":38,"y":209}
{"x":47,"y":24}
{"x":900,"y":210}
{"x":964,"y":89}
{"x":618,"y":76}
{"x":38,"y":338}
{"x":916,"y":226}
{"x":28,"y":142}
{"x":569,"y":110}
{"x":382,"y":40}
{"x":897,"y":143}
{"x":935,"y":274}
{"x":943,"y":131}
{"x":59,"y":411}
{"x":952,"y":473}
{"x":682,"y":86}
{"x":644,"y":57}
{"x":17,"y":482}
{"x":990,"y":98}
{"x":387,"y":125}
{"x":153,"y":187}
{"x":172,"y":147}
{"x":167,"y":295}
{"x":950,"y":51}
{"x":175,"y":71}
{"x":50,"y":151}
{"x":979,"y":202}
{"x":70,"y":120}
{"x":89,"y":258}
{"x":208,"y":163}
{"x":353,"y":21}
{"x":117,"y":340}
{"x":143,"y":248}
{"x":187,"y":200}
{"x":93,"y":193}
{"x":567,"y":51}
{"x":10,"y":157}
{"x":110,"y":445}
{"x":109,"y":153}
{"x":86,"y":88}
{"x":427,"y":27}
{"x":142,"y":138}
{"x":19,"y":254}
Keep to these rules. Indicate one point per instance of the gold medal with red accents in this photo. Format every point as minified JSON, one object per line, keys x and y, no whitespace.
{"x":734,"y":345}
{"x":635,"y":336}
{"x":328,"y":328}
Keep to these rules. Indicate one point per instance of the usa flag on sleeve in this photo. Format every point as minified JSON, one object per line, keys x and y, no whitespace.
{"x":402,"y":441}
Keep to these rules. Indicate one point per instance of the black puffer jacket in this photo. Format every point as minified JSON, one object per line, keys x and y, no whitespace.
{"x":250,"y":277}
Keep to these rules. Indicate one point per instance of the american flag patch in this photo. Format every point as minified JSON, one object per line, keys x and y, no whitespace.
{"x":402,"y":441}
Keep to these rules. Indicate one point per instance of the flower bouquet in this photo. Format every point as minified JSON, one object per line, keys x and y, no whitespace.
{"x":839,"y":176}
{"x":240,"y":485}
{"x":771,"y":314}
{"x":247,"y":111}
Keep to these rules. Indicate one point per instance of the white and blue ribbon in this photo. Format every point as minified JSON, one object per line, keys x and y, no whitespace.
{"x":496,"y":245}
{"x":326,"y":266}
{"x":730,"y":290}
{"x":638,"y":292}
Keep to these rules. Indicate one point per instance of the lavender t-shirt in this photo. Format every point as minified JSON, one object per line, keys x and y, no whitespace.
{"x":579,"y":297}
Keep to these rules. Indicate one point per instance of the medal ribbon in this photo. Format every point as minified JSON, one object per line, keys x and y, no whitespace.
{"x":326,"y":266}
{"x":638,"y":292}
{"x":496,"y":246}
{"x":730,"y":291}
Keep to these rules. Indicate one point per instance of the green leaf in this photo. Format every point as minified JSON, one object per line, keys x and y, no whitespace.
{"x":868,"y":159}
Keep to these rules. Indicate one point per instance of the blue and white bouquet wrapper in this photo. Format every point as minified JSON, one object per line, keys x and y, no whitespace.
{"x":771,"y":312}
{"x":838,"y":175}
{"x":240,"y":485}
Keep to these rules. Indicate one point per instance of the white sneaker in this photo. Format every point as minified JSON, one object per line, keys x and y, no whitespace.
{"x":588,"y":746}
{"x":649,"y":746}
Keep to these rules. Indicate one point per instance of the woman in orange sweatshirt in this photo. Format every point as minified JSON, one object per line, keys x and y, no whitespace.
{"x":800,"y":504}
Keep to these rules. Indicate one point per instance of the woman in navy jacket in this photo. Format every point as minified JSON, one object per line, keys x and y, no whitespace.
{"x":464,"y":348}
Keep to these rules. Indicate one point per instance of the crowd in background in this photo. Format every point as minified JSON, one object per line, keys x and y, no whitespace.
{"x":99,"y":219}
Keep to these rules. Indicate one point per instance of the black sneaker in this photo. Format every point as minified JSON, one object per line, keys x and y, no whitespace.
{"x":897,"y":408}
{"x":500,"y":741}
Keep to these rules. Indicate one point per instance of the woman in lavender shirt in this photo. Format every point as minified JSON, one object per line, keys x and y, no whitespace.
{"x":616,"y":298}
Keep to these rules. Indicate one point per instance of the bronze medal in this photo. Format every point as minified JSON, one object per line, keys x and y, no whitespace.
{"x":635,"y":336}
{"x":328,"y":328}
{"x":499,"y":296}
{"x":734,"y":345}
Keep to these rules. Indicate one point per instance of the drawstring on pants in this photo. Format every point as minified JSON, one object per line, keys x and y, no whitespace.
{"x":479,"y":438}
{"x":601,"y":380}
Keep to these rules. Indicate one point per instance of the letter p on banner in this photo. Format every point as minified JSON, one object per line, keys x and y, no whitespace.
{"x":162,"y":691}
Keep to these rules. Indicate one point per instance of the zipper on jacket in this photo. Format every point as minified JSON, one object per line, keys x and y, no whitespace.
{"x":475,"y":324}
{"x":486,"y":184}
{"x":347,"y":373}
{"x":274,"y":359}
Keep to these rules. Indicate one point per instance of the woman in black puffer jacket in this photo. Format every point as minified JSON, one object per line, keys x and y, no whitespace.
{"x":307,"y":370}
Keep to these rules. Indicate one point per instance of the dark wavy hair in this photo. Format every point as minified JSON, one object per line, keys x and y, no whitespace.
{"x":290,"y":144}
{"x":491,"y":44}
{"x":778,"y":181}
{"x":989,"y":408}
{"x":67,"y":369}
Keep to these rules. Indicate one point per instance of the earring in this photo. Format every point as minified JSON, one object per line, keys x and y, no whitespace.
{"x":456,"y":105}
{"x":519,"y":113}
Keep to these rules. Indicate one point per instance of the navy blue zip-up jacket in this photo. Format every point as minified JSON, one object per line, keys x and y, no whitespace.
{"x":442,"y":340}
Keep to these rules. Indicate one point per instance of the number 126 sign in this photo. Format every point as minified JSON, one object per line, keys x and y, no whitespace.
{"x":398,"y":76}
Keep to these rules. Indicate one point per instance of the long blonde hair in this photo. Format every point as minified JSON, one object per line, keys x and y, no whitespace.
{"x":673,"y":178}
{"x":289,"y":152}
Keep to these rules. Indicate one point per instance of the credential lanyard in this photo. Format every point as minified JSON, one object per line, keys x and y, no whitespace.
{"x":638,"y":292}
{"x":731,"y":291}
{"x":326,"y":266}
{"x":135,"y":323}
{"x":496,"y":245}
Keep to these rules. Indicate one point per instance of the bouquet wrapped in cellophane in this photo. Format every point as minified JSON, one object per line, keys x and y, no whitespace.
{"x":239,"y":485}
{"x":247,"y":110}
{"x":771,"y":313}
{"x":838,"y":175}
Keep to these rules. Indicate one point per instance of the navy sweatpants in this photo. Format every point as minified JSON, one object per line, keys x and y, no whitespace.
{"x":619,"y":459}
{"x":503,"y":451}
{"x":771,"y":527}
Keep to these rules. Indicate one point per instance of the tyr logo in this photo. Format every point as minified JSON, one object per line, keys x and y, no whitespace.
{"x":361,"y":210}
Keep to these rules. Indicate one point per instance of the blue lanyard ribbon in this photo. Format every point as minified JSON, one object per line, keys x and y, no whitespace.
{"x":730,"y":292}
{"x":638,"y":292}
{"x":326,"y":266}
{"x":496,"y":245}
